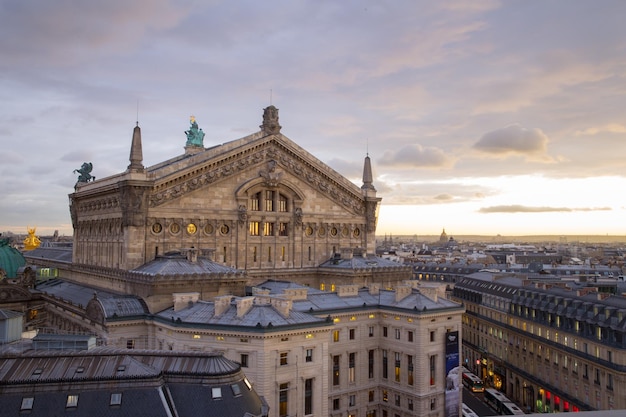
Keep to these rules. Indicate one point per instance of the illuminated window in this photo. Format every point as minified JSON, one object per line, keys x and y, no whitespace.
{"x":269,"y":200}
{"x":336,"y":370}
{"x":283,"y":398}
{"x":72,"y":401}
{"x":268,"y":229}
{"x":255,"y":202}
{"x":335,"y":335}
{"x":282,"y":203}
{"x":216,"y":393}
{"x":254,"y":228}
{"x":397,"y":367}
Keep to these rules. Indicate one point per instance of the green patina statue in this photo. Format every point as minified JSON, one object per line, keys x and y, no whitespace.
{"x":195,"y":136}
{"x":85,"y":172}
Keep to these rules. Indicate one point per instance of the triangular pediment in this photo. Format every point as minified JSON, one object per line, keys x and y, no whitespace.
{"x":269,"y":158}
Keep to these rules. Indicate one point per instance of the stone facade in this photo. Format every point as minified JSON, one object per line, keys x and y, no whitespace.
{"x":262,"y":203}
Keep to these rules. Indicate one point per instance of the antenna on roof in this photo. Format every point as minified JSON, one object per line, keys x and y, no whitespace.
{"x":367,"y":147}
{"x":137,"y":112}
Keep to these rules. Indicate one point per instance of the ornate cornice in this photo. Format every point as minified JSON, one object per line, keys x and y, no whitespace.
{"x":268,"y":152}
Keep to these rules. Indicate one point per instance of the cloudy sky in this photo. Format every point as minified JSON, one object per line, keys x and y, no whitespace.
{"x":481,"y":117}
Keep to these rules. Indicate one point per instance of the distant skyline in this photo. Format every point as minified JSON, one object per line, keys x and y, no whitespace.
{"x":482,"y":118}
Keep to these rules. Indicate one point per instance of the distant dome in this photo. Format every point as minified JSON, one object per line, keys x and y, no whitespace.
{"x":10,"y":260}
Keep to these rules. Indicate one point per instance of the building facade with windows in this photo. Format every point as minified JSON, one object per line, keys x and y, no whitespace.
{"x":358,"y":351}
{"x":550,"y":346}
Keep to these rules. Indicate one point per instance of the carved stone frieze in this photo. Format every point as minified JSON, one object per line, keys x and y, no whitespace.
{"x":12,"y":293}
{"x":276,"y":156}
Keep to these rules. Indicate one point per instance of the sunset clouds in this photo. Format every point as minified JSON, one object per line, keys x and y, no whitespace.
{"x":469,"y":110}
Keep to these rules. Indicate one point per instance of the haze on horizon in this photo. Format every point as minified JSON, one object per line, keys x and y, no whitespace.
{"x":481,"y":118}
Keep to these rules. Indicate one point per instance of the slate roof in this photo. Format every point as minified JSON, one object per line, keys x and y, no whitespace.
{"x":175,"y":263}
{"x":119,"y":305}
{"x":60,"y":254}
{"x":331,"y":301}
{"x":9,"y":314}
{"x":149,"y":383}
{"x":368,"y":261}
{"x":318,"y":300}
{"x":258,"y":317}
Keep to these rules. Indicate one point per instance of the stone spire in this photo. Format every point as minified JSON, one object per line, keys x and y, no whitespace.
{"x":367,"y":175}
{"x":136,"y":154}
{"x":270,"y":124}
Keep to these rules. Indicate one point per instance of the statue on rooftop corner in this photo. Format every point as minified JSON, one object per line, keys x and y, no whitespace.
{"x":85,"y":173}
{"x":31,"y":242}
{"x":195,"y":136}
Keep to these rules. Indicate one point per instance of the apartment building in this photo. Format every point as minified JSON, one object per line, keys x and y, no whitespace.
{"x":550,"y":346}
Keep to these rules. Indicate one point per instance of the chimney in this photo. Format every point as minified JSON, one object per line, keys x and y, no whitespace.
{"x":374,"y":289}
{"x":221,"y":304}
{"x":244,"y":304}
{"x":282,"y":305}
{"x":296,"y":293}
{"x":192,"y":255}
{"x":347,"y":290}
{"x":184,"y":300}
{"x":403,"y":291}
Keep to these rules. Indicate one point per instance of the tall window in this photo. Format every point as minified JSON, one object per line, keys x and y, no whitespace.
{"x":410,"y":336}
{"x":268,"y":229}
{"x":309,"y":355}
{"x":282,"y":253}
{"x":335,"y":335}
{"x":352,"y":333}
{"x":244,"y":360}
{"x":254,"y":228}
{"x":410,"y":369}
{"x":336,"y":370}
{"x":283,"y":358}
{"x":397,"y":366}
{"x":255,"y":202}
{"x":254,"y":253}
{"x":370,"y":364}
{"x":282,"y":203}
{"x":282,"y":229}
{"x":269,"y":254}
{"x":269,"y":200}
{"x":385,"y":359}
{"x":308,"y":396}
{"x":432,"y":360}
{"x":283,"y":398}
{"x":351,"y":367}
